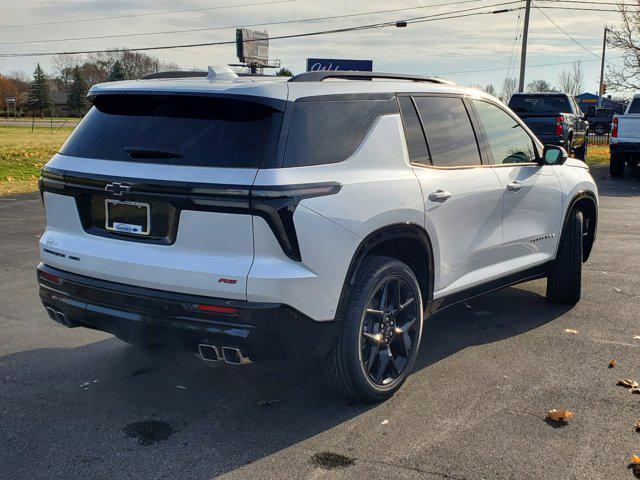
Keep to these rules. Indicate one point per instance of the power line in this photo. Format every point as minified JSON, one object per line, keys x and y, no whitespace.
{"x":580,"y":9}
{"x":148,"y":14}
{"x":568,"y":35}
{"x":501,"y":69}
{"x":281,"y":37}
{"x":260,"y":24}
{"x":569,"y":2}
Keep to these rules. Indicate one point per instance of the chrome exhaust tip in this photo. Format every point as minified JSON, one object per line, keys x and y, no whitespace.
{"x":234,"y":356}
{"x":51,"y":312}
{"x":209,"y":353}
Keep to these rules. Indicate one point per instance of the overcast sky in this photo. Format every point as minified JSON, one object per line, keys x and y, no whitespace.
{"x":440,"y":47}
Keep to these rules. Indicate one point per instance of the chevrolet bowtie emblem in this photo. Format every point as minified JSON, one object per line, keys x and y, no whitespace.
{"x":117,"y":188}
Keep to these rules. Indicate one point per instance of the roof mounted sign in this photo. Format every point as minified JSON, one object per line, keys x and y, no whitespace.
{"x":321,"y":64}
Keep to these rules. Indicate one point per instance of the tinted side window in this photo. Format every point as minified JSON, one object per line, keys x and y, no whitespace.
{"x":413,"y":133}
{"x":328,"y":131}
{"x":450,"y":135}
{"x":508,"y":141}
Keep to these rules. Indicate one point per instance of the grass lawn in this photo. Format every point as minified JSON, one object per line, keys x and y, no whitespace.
{"x":598,"y":154}
{"x":23,"y":153}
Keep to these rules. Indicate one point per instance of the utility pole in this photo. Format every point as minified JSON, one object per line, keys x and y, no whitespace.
{"x":523,"y":54}
{"x":601,"y":89}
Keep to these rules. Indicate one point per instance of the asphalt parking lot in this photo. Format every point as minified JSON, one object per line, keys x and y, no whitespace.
{"x":71,"y":399}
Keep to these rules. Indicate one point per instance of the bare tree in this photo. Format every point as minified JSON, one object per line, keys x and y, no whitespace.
{"x":63,"y":66}
{"x":540,"y":86}
{"x":627,"y":39}
{"x":490,"y":89}
{"x":509,"y":87}
{"x":572,"y":81}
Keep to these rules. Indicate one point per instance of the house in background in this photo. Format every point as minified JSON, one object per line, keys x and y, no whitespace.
{"x":60,"y":108}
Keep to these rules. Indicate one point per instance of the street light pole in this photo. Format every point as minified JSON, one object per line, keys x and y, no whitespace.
{"x":600,"y":89}
{"x":523,"y":54}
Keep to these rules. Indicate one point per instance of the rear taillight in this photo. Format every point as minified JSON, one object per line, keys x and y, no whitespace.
{"x":559,"y":125}
{"x":614,"y":128}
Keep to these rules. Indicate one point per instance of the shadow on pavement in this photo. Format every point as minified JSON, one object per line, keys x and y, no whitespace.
{"x":79,"y":406}
{"x":628,"y":186}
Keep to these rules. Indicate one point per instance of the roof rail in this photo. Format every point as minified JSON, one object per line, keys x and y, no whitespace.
{"x":175,"y":74}
{"x":357,"y":75}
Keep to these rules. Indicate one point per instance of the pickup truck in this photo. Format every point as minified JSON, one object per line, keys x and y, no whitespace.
{"x":555,"y":118}
{"x":600,"y":120}
{"x":624,"y":142}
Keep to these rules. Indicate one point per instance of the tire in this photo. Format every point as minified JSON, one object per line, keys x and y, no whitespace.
{"x":373,"y":354}
{"x":616,"y":165}
{"x":581,"y":153}
{"x":564,"y":281}
{"x":600,"y":129}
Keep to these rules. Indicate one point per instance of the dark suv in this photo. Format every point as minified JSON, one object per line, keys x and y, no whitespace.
{"x":555,"y":118}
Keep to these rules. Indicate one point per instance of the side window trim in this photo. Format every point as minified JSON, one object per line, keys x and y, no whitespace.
{"x":471,"y":122}
{"x":534,"y":141}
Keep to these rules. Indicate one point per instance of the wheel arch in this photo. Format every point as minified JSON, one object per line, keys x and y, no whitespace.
{"x":407,"y":242}
{"x":586,"y":202}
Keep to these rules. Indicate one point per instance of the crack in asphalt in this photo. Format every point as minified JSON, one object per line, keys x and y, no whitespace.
{"x":407,"y":467}
{"x":611,"y":271}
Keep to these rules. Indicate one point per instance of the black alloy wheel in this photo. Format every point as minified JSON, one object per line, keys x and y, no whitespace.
{"x":389,"y":330}
{"x":381,"y":331}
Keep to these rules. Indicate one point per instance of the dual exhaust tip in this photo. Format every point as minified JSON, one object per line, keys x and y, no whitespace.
{"x":56,"y":316}
{"x":231,"y":355}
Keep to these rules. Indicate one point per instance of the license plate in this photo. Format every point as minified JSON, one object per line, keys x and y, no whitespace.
{"x":127,"y":217}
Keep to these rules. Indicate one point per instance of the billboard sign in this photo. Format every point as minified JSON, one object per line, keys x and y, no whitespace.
{"x":252,"y":46}
{"x":326,"y":64}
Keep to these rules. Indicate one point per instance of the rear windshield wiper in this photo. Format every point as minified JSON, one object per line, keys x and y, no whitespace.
{"x":148,"y":153}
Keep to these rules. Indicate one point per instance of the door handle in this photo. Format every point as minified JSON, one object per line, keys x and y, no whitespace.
{"x":439,"y":196}
{"x":514,"y":186}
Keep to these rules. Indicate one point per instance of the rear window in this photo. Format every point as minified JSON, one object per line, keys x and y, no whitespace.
{"x":328,"y":131}
{"x":176,"y":129}
{"x":635,"y":106}
{"x":551,"y":104}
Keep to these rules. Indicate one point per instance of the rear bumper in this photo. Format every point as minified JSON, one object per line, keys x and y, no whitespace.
{"x":262,"y":331}
{"x":624,"y":147}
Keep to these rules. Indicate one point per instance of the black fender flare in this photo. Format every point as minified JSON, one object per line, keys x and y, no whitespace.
{"x":591,"y":227}
{"x":389,"y":232}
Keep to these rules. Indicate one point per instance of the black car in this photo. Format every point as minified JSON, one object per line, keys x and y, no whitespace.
{"x":555,"y":118}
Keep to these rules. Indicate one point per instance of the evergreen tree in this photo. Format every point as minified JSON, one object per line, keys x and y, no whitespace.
{"x":284,"y":72}
{"x":116,"y":73}
{"x":77,"y":96}
{"x":39,"y":97}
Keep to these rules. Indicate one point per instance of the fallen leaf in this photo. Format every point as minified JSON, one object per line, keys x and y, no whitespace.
{"x":635,"y":390}
{"x":613,"y":364}
{"x":384,"y":422}
{"x":638,"y":426}
{"x":559,"y":415}
{"x":637,"y":337}
{"x":569,"y":330}
{"x":628,"y":383}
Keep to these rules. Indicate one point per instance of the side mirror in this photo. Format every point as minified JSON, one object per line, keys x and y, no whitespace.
{"x":554,"y":155}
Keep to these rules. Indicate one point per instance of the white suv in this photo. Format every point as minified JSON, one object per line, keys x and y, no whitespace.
{"x":325,"y":216}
